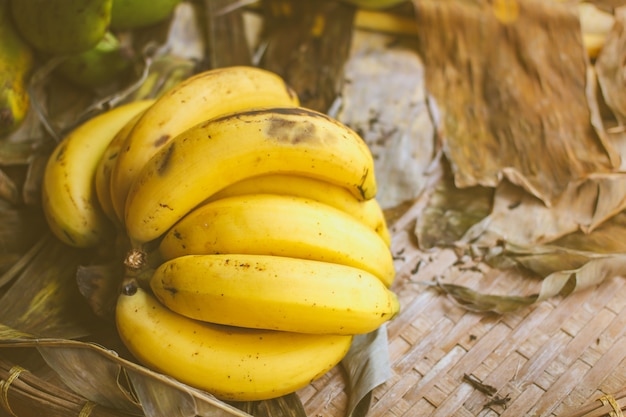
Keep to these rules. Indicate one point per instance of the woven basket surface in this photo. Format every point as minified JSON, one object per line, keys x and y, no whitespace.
{"x":548,"y":359}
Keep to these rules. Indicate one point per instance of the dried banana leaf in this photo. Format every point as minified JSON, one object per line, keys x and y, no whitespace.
{"x":43,"y":299}
{"x":384,"y":99}
{"x":8,"y":189}
{"x":27,"y":395}
{"x":307,"y":43}
{"x":225,"y":34}
{"x":574,"y":262}
{"x":157,"y":394}
{"x":450,"y":212}
{"x":521,"y":219}
{"x":511,"y":88}
{"x":367,"y":366}
{"x":610,"y":67}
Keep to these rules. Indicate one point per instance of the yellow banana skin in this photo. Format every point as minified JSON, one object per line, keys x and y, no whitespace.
{"x":203,"y":160}
{"x":274,"y":293}
{"x":16,"y":63}
{"x":234,"y":364}
{"x":267,"y":224}
{"x":204,"y":96}
{"x":368,"y":212}
{"x":69,"y":197}
{"x":105,"y":166}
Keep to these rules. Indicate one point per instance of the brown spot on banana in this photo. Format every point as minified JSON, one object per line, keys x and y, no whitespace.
{"x":162,"y":140}
{"x":165,"y":160}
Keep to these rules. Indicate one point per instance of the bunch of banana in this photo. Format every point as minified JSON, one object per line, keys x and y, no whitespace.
{"x":233,"y":363}
{"x":267,"y":249}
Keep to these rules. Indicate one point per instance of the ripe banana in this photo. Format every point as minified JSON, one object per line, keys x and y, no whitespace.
{"x":234,"y":364}
{"x":267,"y":224}
{"x":368,"y":212}
{"x":274,"y":293}
{"x":215,"y":154}
{"x":204,"y":96}
{"x":69,"y":196}
{"x":16,"y":63}
{"x":107,"y":161}
{"x":62,"y":26}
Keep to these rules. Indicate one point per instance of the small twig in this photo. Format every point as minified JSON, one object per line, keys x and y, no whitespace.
{"x":476,"y":383}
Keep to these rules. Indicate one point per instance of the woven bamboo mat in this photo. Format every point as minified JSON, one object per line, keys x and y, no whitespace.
{"x":546,"y":360}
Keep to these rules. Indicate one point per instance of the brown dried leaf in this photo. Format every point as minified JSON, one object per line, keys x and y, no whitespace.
{"x":450,"y":212}
{"x":511,"y":90}
{"x":44,"y":300}
{"x":610,"y":67}
{"x":384,"y":100}
{"x":521,"y":219}
{"x":70,"y":359}
{"x":307,"y":43}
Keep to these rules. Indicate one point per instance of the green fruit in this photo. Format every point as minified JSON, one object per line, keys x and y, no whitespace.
{"x":97,"y":66}
{"x":16,"y":63}
{"x":130,"y":14}
{"x":62,"y":26}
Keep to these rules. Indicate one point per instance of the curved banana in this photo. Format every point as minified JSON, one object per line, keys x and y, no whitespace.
{"x":199,"y":98}
{"x":212,"y":155}
{"x":368,"y":212}
{"x":274,"y":293}
{"x":267,"y":224}
{"x":69,"y":197}
{"x":16,"y":63}
{"x":105,"y":166}
{"x":234,"y":364}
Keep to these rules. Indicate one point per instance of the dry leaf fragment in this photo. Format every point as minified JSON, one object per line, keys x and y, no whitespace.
{"x":384,"y":99}
{"x":511,"y":94}
{"x":610,"y":67}
{"x":519,"y":218}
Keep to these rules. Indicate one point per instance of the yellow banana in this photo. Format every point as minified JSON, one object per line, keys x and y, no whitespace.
{"x":267,"y":224}
{"x":199,"y":98}
{"x":105,"y":166}
{"x":274,"y":293}
{"x":234,"y":364}
{"x":69,"y":196}
{"x":368,"y":212}
{"x":215,"y":154}
{"x":16,"y":63}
